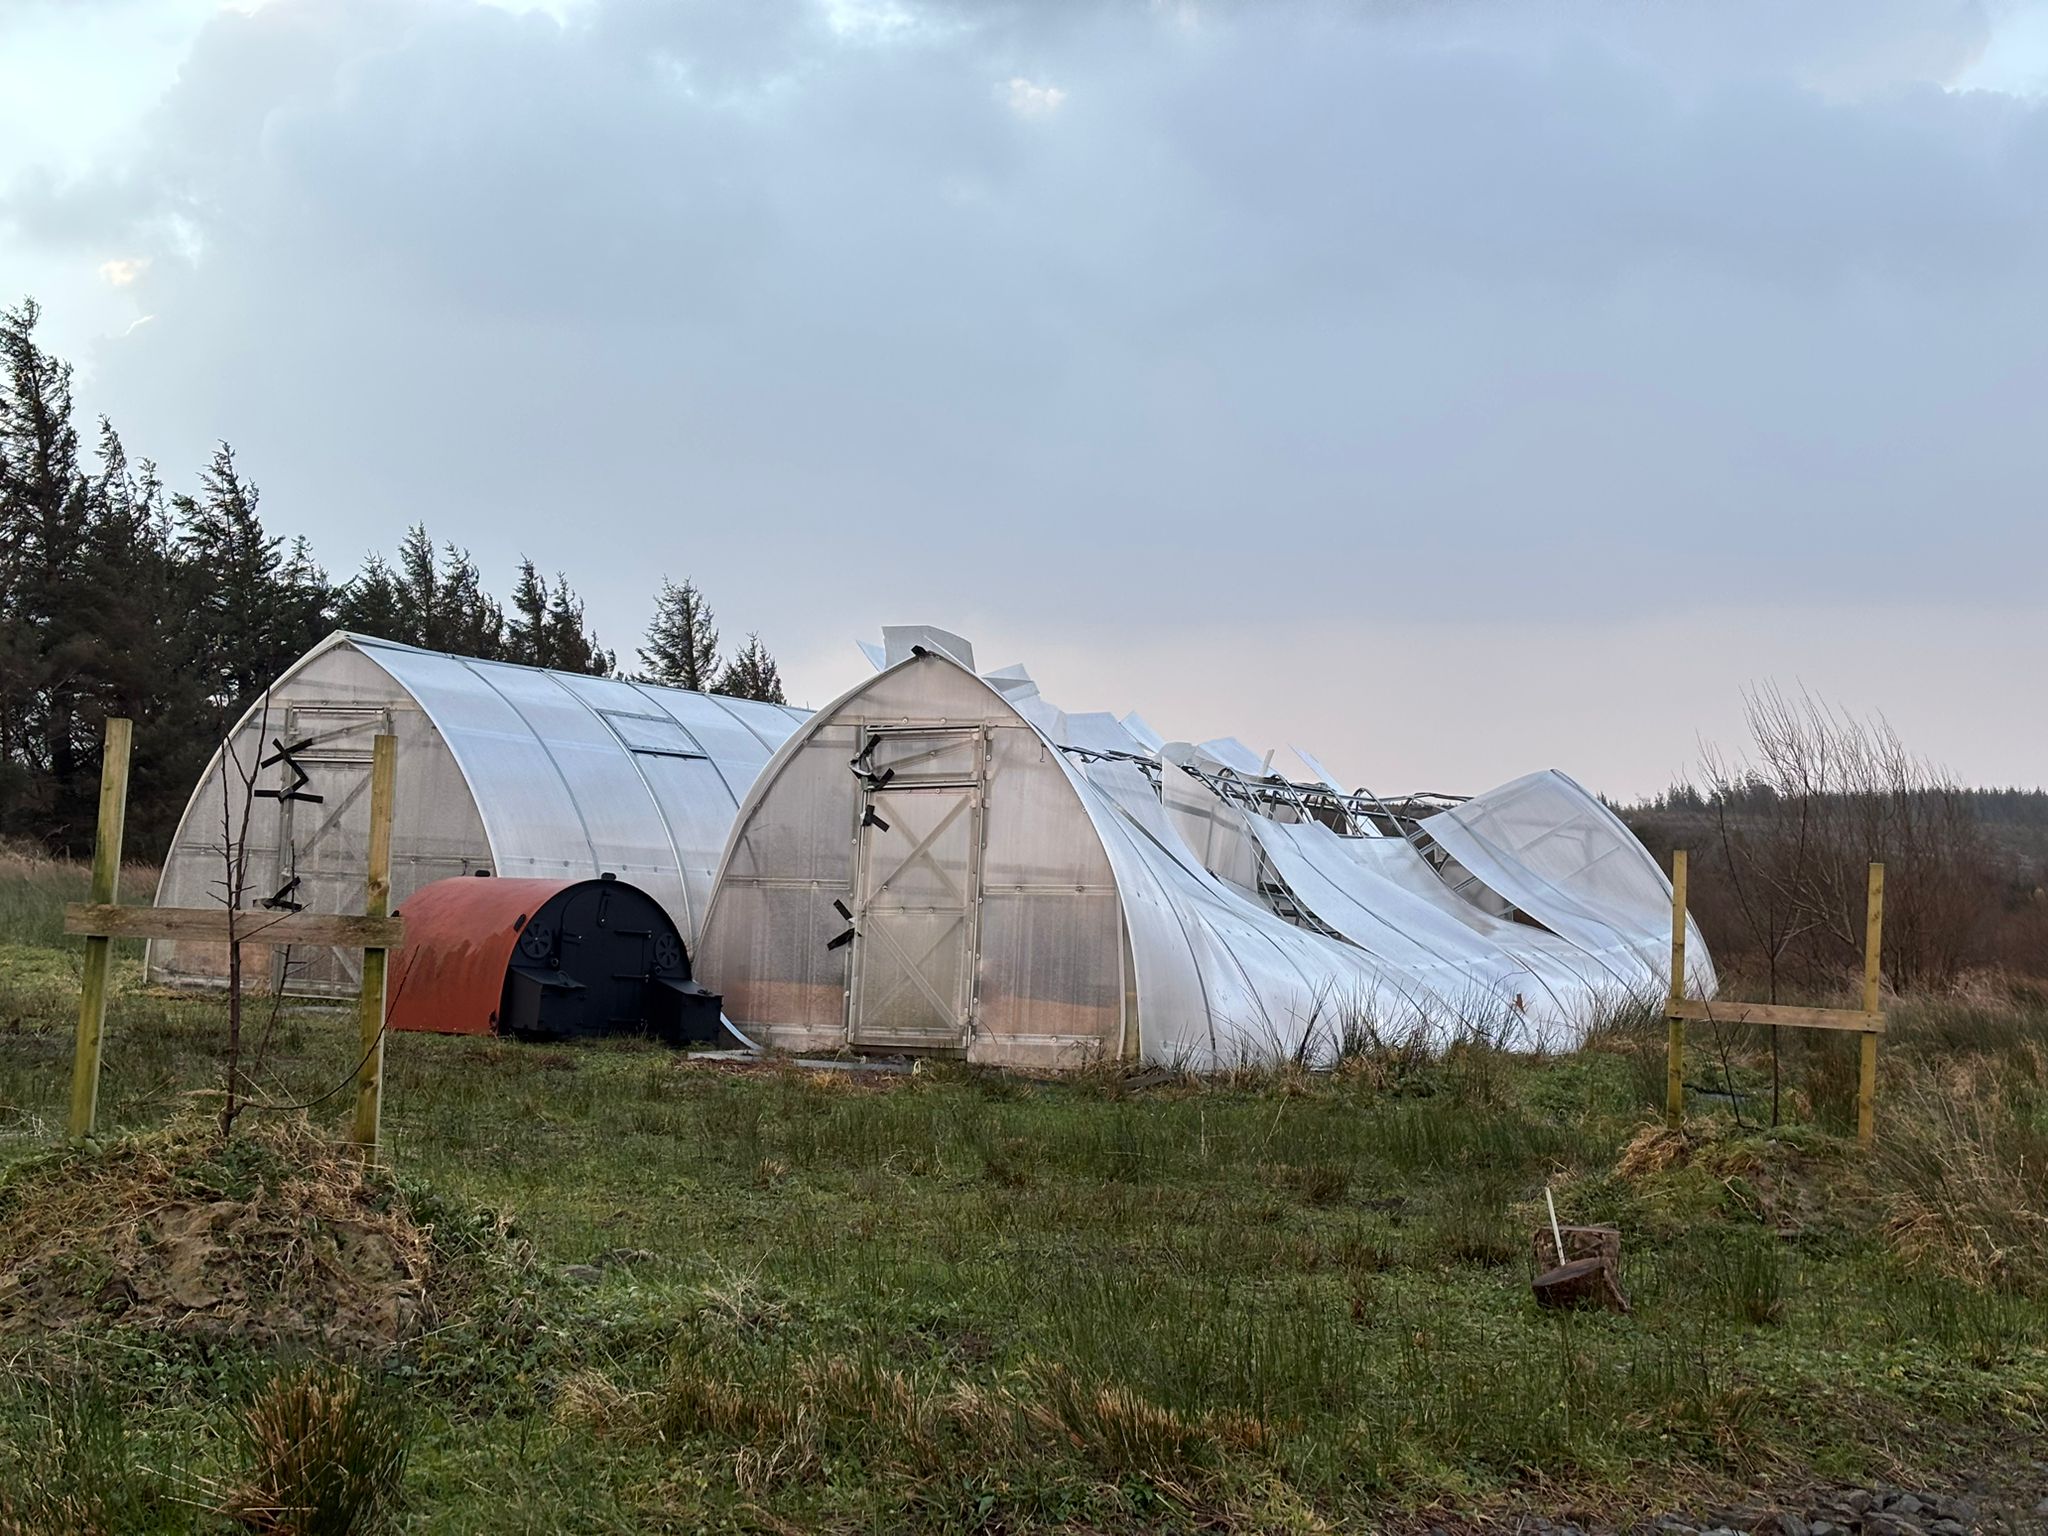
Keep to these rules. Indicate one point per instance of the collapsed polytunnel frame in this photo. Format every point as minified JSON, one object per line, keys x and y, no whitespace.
{"x":942,"y":862}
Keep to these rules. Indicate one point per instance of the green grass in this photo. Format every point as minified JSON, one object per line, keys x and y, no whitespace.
{"x":965,"y":1301}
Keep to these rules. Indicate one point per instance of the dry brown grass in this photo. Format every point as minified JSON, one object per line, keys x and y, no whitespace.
{"x":280,"y":1234}
{"x":325,"y":1452}
{"x":1653,"y":1149}
{"x":591,"y":1402}
{"x":1122,"y":1431}
{"x":787,"y":1428}
{"x":1968,"y":1177}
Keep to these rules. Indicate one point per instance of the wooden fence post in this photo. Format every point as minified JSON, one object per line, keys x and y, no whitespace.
{"x":1674,"y":1045}
{"x":99,"y":952}
{"x":376,"y":903}
{"x":1873,"y":940}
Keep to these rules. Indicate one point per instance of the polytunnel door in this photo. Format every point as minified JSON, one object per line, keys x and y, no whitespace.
{"x":316,"y":772}
{"x":916,"y":890}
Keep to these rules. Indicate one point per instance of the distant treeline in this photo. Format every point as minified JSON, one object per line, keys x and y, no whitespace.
{"x":120,"y":596}
{"x":2020,"y":808}
{"x":1781,"y":841}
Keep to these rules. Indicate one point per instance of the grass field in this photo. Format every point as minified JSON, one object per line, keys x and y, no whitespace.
{"x":962,"y":1301}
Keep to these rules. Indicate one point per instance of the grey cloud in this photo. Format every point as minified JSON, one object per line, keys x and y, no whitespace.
{"x":1283,"y":308}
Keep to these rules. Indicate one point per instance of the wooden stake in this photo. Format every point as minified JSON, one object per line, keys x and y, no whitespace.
{"x":99,"y":951}
{"x":1674,"y":1047}
{"x":1873,"y":941}
{"x":376,"y":903}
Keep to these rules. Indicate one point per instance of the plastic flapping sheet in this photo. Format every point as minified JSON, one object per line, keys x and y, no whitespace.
{"x":901,"y":641}
{"x":1222,"y":980}
{"x":1229,"y":752}
{"x":1561,"y":968}
{"x":1515,"y":984}
{"x":1141,"y":731}
{"x":1561,"y":857}
{"x":1101,"y":733}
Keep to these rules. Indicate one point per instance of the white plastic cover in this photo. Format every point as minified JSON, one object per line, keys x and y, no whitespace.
{"x":830,"y":925}
{"x":1526,"y":985}
{"x":1221,"y":979}
{"x":1561,"y":857}
{"x":1106,"y":931}
{"x":577,"y":775}
{"x":900,"y":641}
{"x":1229,"y":752}
{"x":501,"y":768}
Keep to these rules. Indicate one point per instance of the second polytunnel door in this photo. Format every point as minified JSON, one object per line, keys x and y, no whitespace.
{"x":917,"y":883}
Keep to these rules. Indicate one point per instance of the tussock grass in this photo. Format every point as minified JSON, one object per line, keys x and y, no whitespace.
{"x":75,"y":1465}
{"x":1965,"y":1160}
{"x":325,"y":1450}
{"x":961,"y":1300}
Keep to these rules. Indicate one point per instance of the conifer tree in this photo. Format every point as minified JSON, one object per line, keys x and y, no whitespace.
{"x":682,"y":645}
{"x":45,"y":517}
{"x":468,"y":620}
{"x":304,"y":596}
{"x":368,"y":603}
{"x":254,"y":609}
{"x":526,"y":636}
{"x":439,"y":603}
{"x":547,"y":627}
{"x":137,"y":590}
{"x":571,"y":645}
{"x":751,"y":674}
{"x":416,"y":588}
{"x":118,"y":597}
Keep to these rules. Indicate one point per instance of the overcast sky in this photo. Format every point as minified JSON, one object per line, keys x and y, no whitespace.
{"x":1453,"y":389}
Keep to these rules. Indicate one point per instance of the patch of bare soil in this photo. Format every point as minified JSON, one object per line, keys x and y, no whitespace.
{"x":278,"y":1234}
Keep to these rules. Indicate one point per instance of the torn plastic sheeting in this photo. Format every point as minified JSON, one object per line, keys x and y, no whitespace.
{"x":1563,"y":858}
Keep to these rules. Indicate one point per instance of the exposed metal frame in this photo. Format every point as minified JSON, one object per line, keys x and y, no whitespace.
{"x":1358,"y":813}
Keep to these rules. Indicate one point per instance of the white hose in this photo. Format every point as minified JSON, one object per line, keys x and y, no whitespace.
{"x":733,"y":1030}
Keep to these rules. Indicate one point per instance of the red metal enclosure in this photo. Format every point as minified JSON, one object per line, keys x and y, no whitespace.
{"x":555,"y":958}
{"x":460,"y":936}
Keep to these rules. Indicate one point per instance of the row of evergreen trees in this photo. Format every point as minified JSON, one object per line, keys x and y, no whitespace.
{"x":119,"y":596}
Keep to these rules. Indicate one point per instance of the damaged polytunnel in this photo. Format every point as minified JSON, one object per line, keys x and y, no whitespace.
{"x":943,"y":862}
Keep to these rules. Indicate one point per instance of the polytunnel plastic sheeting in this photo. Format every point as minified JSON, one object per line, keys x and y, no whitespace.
{"x":1561,"y":968}
{"x":1101,"y":732}
{"x":1229,"y":752}
{"x":1563,"y":858}
{"x":1217,"y":975}
{"x":1212,"y":831}
{"x":1221,"y":980}
{"x":575,"y":774}
{"x":1048,"y":720}
{"x":1520,"y":983}
{"x":694,"y":757}
{"x":1455,"y":963}
{"x":1462,"y":974}
{"x":530,"y":815}
{"x":1478,"y":984}
{"x":770,"y":724}
{"x":1324,"y":777}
